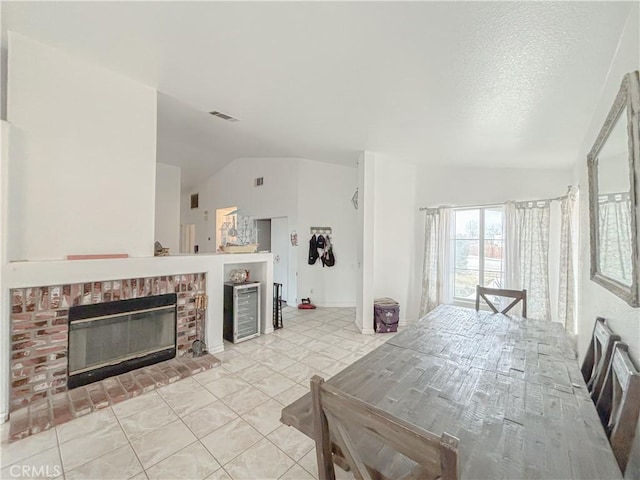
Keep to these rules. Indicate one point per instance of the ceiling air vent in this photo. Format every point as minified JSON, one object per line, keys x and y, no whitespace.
{"x":223,"y":116}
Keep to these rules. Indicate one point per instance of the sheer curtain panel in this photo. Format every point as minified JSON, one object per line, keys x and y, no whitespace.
{"x":568,"y":240}
{"x":527,"y":254}
{"x":437,"y":254}
{"x":615,"y":236}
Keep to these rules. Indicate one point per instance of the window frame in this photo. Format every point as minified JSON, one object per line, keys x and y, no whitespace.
{"x":481,"y":251}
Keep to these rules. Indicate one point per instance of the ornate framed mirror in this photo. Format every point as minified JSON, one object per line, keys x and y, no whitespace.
{"x":614,"y":196}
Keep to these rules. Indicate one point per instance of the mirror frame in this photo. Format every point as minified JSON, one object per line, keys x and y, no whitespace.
{"x":629,"y":97}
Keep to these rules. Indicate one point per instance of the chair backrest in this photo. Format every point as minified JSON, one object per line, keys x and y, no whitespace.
{"x":517,"y":295}
{"x":598,"y":356}
{"x":619,"y":403}
{"x":335,"y":411}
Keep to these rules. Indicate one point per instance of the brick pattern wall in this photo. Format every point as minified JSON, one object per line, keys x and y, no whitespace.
{"x":39,"y":326}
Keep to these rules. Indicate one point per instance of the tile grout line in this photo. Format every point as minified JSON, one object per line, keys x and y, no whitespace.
{"x":59,"y":445}
{"x":189,"y":429}
{"x":100,"y":456}
{"x":129,"y":440}
{"x":265,"y":437}
{"x":199,"y":440}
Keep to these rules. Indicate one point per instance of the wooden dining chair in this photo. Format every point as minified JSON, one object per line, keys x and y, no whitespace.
{"x":598,"y":356}
{"x":336,"y":414}
{"x":517,"y":295}
{"x":619,"y":403}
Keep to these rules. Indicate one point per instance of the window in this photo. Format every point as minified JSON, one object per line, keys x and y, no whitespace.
{"x":477,"y":250}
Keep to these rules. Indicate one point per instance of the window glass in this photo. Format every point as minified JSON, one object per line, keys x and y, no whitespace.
{"x":478,"y":250}
{"x":467,"y":223}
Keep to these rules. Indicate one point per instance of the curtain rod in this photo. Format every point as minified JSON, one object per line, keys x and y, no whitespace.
{"x":498,"y":204}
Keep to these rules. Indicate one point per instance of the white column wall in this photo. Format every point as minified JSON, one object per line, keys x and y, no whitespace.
{"x":167,"y":208}
{"x":366,"y":222}
{"x":5,"y":330}
{"x":83,"y":156}
{"x":394,"y":233}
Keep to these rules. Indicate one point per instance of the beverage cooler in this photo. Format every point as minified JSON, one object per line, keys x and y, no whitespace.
{"x":241,"y":311}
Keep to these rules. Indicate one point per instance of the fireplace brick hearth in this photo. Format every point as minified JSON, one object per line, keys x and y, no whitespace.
{"x":39,"y":328}
{"x":54,"y":410}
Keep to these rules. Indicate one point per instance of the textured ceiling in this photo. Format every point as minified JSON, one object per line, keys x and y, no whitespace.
{"x":491,"y":84}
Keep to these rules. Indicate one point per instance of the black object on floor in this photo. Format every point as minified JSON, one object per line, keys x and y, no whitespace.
{"x":277,"y":306}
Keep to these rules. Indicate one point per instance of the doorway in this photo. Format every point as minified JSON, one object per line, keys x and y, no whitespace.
{"x":264,"y":234}
{"x":187,"y":237}
{"x":273,"y":236}
{"x":280,"y":249}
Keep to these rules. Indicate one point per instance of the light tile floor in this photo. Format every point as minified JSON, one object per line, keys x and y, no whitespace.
{"x":220,"y":424}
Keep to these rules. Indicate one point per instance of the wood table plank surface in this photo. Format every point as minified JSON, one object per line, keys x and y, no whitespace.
{"x":509,"y":388}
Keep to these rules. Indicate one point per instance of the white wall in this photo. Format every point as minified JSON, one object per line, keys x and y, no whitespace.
{"x":394,"y":252}
{"x":167,"y":207}
{"x":83,"y":157}
{"x":324,"y":199}
{"x":594,"y":300}
{"x":234,"y":185}
{"x":478,"y":186}
{"x":309,"y":194}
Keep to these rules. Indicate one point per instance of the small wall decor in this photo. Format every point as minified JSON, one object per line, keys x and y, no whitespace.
{"x":294,"y":238}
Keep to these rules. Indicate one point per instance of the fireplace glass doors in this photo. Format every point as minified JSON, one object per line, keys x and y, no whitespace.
{"x":111,"y":338}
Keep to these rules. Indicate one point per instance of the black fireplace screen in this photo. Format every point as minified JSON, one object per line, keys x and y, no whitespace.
{"x":110,"y":338}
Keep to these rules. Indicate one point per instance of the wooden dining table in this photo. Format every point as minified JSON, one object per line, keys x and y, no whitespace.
{"x":508,"y":387}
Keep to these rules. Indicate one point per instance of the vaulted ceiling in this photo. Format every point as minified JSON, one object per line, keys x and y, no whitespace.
{"x":496,"y":84}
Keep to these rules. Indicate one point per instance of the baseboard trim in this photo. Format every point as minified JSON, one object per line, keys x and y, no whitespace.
{"x":336,"y":305}
{"x":216,"y":349}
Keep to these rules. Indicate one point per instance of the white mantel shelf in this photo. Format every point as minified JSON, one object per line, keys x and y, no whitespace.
{"x":58,"y":272}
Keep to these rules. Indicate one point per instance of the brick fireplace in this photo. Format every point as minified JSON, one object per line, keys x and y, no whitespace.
{"x":40,"y":326}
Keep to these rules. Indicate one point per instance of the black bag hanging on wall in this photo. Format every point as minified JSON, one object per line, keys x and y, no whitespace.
{"x":313,"y":250}
{"x":328,"y":258}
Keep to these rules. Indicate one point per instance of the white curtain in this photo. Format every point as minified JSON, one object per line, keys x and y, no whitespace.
{"x":511,"y":248}
{"x":436,"y":281}
{"x":527,"y":254}
{"x":615,"y":236}
{"x":446,"y":280}
{"x":568,"y":240}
